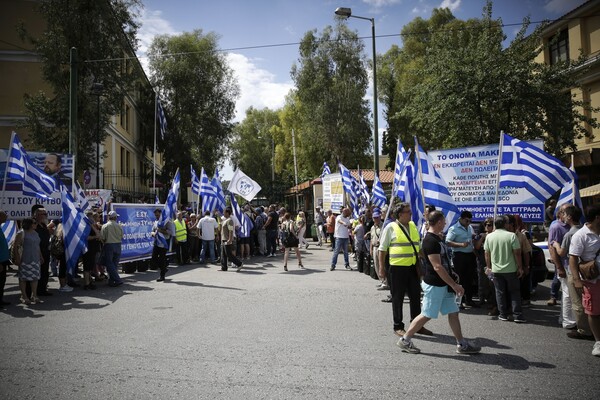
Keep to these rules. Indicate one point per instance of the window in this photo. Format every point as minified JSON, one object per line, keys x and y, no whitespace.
{"x":559,"y":47}
{"x":125,"y":116}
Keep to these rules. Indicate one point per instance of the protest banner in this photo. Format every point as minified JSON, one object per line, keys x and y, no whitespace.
{"x":137,"y":221}
{"x":471,"y":174}
{"x":333,"y":192}
{"x":17,"y":205}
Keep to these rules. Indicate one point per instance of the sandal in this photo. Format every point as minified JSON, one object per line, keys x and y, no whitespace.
{"x":301,"y":266}
{"x":285,"y":267}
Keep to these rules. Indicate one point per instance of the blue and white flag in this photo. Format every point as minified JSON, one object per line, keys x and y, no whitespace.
{"x":195,"y":182}
{"x":570,"y":195}
{"x":76,"y":228}
{"x":378,"y":195}
{"x":207,"y":193}
{"x":9,"y":228}
{"x":20,"y":167}
{"x":169,"y":211}
{"x":435,"y":189}
{"x":156,"y":200}
{"x":525,"y":166}
{"x":216,"y":182}
{"x":411,"y":192}
{"x":364,"y":189}
{"x":162,"y":119}
{"x":326,"y":169}
{"x":243,"y":220}
{"x":355,"y":198}
{"x":243,"y":185}
{"x":346,"y":178}
{"x":82,"y":201}
{"x":401,"y":157}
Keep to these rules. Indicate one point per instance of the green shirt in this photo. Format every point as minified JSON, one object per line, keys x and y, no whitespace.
{"x":500,"y":244}
{"x":112,"y":232}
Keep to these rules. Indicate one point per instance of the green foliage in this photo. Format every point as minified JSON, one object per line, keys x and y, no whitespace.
{"x":461,"y":87}
{"x":198,"y":93}
{"x":329,"y":107}
{"x":103,"y":32}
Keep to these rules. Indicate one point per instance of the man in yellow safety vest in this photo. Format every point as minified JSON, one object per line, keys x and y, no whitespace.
{"x":181,"y":244}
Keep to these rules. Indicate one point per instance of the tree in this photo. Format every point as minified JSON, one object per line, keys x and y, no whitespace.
{"x":331,"y":82}
{"x":104,"y":33}
{"x":198,"y":92}
{"x":253,"y":148}
{"x":471,"y":88}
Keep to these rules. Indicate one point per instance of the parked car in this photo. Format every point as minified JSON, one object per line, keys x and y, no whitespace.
{"x":541,"y":269}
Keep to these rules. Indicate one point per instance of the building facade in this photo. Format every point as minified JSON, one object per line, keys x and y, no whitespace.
{"x":125,"y":168}
{"x":578,"y":33}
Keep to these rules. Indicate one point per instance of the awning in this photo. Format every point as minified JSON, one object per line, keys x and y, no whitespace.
{"x":590,"y":191}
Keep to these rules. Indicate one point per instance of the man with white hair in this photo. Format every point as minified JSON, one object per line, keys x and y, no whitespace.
{"x":112,"y":236}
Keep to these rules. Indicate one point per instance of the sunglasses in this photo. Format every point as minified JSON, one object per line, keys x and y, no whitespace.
{"x":488,"y":224}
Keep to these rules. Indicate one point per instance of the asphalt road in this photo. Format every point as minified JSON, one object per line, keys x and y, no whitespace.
{"x":268,"y":334}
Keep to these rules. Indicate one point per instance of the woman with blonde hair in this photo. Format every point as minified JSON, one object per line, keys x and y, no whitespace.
{"x":290,"y":240}
{"x":301,"y":224}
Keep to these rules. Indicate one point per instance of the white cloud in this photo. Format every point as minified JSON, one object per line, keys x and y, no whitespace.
{"x":562,"y":6}
{"x":381,"y":3}
{"x":451,"y":4}
{"x":152,"y":24}
{"x":257,"y":86}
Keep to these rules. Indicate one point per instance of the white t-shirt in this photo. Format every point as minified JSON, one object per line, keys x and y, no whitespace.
{"x":342,"y":230}
{"x":207,"y":226}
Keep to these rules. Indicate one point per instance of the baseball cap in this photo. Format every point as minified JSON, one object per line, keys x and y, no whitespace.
{"x":376,"y":213}
{"x":112,"y":214}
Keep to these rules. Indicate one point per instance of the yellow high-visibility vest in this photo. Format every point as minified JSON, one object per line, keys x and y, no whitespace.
{"x":180,"y":231}
{"x":401,"y":251}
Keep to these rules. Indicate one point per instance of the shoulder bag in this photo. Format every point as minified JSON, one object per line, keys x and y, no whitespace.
{"x":589,"y":270}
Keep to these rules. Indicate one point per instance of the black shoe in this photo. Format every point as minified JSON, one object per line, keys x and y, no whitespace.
{"x":387,"y":299}
{"x":161,"y":279}
{"x":332,"y":268}
{"x":115,"y":284}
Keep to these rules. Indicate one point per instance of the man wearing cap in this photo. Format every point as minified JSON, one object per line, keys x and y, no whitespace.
{"x":112,"y":236}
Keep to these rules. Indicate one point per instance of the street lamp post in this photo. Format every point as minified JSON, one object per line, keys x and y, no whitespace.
{"x":347,"y":13}
{"x":97,"y":90}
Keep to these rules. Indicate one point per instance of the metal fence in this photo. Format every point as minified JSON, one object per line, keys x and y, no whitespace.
{"x":128,"y":188}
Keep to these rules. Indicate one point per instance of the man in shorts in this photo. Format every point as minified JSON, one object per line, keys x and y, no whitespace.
{"x":585,"y":246}
{"x":439,"y":289}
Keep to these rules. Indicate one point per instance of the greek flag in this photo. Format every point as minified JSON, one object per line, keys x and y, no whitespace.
{"x":169,"y":210}
{"x":326,"y":169}
{"x":355,"y":198}
{"x":525,"y":166}
{"x":435,"y":189}
{"x":35,"y":182}
{"x":156,"y":200}
{"x":401,"y":157}
{"x":81,"y":197}
{"x":9,"y":228}
{"x":162,"y":120}
{"x":195,"y":182}
{"x":346,"y":178}
{"x":244,"y":221}
{"x":76,"y":229}
{"x":411,"y":193}
{"x":570,"y":195}
{"x":364,"y":189}
{"x":216,"y":182}
{"x":378,"y":195}
{"x":207,"y":192}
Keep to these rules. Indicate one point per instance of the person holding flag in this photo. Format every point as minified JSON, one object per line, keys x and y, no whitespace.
{"x":161,"y":233}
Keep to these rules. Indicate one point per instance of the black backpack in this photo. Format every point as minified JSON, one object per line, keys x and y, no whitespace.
{"x":57,"y":246}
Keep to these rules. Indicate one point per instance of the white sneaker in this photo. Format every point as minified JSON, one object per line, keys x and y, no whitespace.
{"x":596,"y":350}
{"x":65,"y":289}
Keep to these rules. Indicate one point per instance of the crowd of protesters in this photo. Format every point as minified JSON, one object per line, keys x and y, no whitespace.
{"x":491,"y":265}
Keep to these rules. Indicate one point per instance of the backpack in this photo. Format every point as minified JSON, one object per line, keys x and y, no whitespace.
{"x":57,"y":246}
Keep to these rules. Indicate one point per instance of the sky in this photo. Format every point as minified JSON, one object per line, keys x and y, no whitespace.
{"x":261,"y":37}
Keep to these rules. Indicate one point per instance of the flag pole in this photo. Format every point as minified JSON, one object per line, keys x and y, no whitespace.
{"x":12,"y":138}
{"x":498,"y":174}
{"x":573,"y":180}
{"x":420,"y":172}
{"x":154,"y":149}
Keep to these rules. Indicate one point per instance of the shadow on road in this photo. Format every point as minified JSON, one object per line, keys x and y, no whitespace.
{"x":449,"y":339}
{"x":304,"y":271}
{"x":506,"y":361}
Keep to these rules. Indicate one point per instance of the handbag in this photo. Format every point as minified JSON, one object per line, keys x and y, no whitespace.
{"x":588,"y":269}
{"x":289,"y":240}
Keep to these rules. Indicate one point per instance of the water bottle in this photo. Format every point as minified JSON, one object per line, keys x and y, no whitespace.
{"x":458,"y":300}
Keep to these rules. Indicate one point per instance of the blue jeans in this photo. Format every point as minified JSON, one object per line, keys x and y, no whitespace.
{"x":555,"y":286}
{"x":208,"y":247}
{"x":340,"y":244}
{"x":112,"y":255}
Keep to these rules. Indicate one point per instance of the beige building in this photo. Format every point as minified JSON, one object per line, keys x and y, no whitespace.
{"x":125,"y":169}
{"x":579,"y":33}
